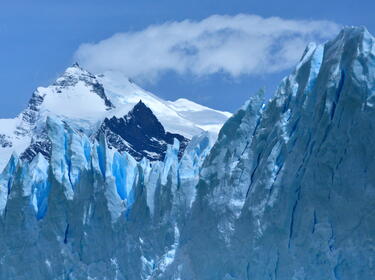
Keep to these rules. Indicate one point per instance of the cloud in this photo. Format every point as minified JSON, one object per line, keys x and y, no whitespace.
{"x":236,"y":45}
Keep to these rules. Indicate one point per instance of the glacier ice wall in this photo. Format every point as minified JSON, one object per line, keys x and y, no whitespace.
{"x":91,"y":212}
{"x":293,"y":198}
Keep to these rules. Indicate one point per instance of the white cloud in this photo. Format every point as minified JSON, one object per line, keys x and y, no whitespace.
{"x":241,"y":44}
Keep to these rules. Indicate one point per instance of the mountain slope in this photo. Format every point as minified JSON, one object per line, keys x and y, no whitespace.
{"x":175,"y":116}
{"x":84,"y":100}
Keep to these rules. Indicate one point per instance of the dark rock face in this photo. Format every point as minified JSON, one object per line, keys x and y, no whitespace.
{"x":5,"y":142}
{"x":30,"y":115}
{"x":140,"y":134}
{"x":43,"y":147}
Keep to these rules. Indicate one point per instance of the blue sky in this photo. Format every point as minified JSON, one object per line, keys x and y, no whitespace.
{"x":39,"y":39}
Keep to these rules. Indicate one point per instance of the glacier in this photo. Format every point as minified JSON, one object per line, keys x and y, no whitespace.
{"x":83,"y":185}
{"x":296,"y":198}
{"x":284,"y":191}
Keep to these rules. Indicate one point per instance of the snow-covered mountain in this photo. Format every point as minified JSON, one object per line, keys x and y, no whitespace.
{"x":286,"y":191}
{"x":84,"y":101}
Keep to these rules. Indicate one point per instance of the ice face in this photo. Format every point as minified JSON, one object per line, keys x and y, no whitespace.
{"x":294,"y":203}
{"x":40,"y":185}
{"x":85,"y":186}
{"x":6,"y":181}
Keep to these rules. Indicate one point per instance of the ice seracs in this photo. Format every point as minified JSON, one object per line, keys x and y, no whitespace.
{"x":294,"y":202}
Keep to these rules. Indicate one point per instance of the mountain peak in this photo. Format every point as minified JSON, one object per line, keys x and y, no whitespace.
{"x":140,"y":104}
{"x":76,"y":69}
{"x":74,"y":73}
{"x":350,"y":43}
{"x":140,"y":134}
{"x":353,"y":31}
{"x":76,"y":65}
{"x":141,"y":107}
